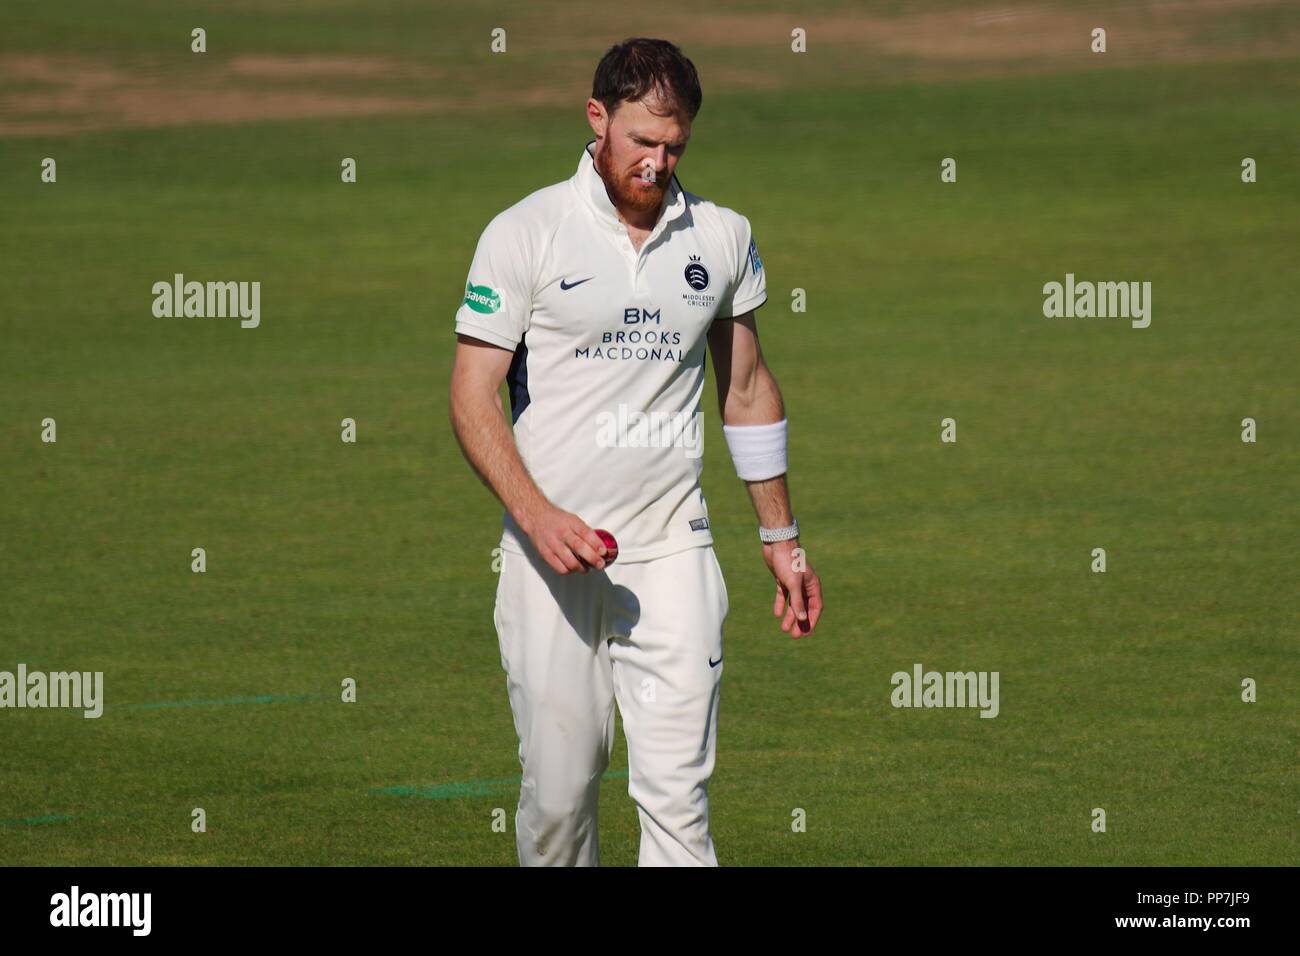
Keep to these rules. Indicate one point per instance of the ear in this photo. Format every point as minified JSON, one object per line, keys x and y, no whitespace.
{"x":597,"y":118}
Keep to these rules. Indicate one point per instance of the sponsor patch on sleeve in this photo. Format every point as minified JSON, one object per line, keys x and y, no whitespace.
{"x":482,"y":298}
{"x":755,"y":263}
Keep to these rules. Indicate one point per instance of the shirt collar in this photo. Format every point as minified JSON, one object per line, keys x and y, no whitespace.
{"x":592,"y":188}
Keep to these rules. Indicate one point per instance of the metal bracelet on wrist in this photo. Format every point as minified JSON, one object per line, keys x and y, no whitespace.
{"x":771,"y":535}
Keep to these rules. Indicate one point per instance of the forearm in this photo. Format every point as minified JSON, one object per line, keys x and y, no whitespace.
{"x":771,"y":500}
{"x":761,"y":404}
{"x":489,"y":446}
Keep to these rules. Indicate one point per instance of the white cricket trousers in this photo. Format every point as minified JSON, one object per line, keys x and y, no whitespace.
{"x":646,"y":634}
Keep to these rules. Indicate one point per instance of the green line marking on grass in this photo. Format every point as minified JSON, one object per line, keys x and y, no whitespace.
{"x":45,"y":819}
{"x":470,"y":788}
{"x":35,"y":821}
{"x":220,"y":702}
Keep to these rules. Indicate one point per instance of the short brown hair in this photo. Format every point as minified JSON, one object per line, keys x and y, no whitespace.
{"x":640,"y":65}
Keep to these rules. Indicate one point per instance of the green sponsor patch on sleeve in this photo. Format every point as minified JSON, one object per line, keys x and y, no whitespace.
{"x":482,"y":298}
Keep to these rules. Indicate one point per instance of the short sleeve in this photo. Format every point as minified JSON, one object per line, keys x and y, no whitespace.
{"x":748,"y":287}
{"x":498,"y":298}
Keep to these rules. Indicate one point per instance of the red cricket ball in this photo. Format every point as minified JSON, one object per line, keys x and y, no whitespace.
{"x":611,"y":546}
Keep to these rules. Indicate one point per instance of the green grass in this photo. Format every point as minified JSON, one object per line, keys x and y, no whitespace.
{"x":372,"y":561}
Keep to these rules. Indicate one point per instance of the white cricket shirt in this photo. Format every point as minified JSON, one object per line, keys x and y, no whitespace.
{"x":609,"y":345}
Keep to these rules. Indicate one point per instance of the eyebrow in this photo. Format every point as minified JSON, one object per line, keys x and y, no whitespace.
{"x":647,"y":141}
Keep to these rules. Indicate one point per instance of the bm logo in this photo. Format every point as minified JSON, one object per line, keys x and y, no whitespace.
{"x":697,"y":277}
{"x":634,"y":316}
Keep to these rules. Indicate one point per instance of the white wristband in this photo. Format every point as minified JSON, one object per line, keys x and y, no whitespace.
{"x":772,"y":535}
{"x":759,"y":451}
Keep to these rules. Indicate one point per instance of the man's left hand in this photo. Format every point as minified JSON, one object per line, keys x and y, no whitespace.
{"x":798,"y":592}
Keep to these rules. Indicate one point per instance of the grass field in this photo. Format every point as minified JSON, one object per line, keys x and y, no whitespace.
{"x":373,"y":561}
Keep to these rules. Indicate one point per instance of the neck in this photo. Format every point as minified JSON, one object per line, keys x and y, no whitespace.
{"x":645,"y":220}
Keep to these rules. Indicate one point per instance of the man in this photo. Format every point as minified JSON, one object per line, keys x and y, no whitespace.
{"x":593,"y":298}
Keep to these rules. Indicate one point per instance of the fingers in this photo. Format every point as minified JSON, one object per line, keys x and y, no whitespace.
{"x":570,"y":551}
{"x":814,"y":587}
{"x":560,"y":557}
{"x":796,"y":599}
{"x":802,"y":604}
{"x":589,"y":546}
{"x":800,"y":629}
{"x":566,"y":543}
{"x":780,"y":605}
{"x":793,"y":626}
{"x":554,"y":562}
{"x":576,"y":547}
{"x":812,"y":601}
{"x":788,"y":621}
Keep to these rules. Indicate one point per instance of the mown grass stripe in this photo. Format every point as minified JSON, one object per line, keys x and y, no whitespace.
{"x":35,"y":821}
{"x":469,"y":788}
{"x":220,"y":702}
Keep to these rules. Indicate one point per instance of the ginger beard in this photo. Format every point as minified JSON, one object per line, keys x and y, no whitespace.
{"x":627,"y":190}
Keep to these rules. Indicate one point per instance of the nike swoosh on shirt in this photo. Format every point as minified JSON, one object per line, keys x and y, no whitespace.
{"x":713,"y":663}
{"x":566,"y":286}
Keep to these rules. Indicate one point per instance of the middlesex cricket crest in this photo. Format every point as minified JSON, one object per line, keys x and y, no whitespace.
{"x":697,"y":277}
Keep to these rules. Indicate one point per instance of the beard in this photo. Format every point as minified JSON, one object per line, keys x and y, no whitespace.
{"x":626,"y":189}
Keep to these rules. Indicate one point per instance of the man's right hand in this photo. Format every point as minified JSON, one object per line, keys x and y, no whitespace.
{"x":564,"y":541}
